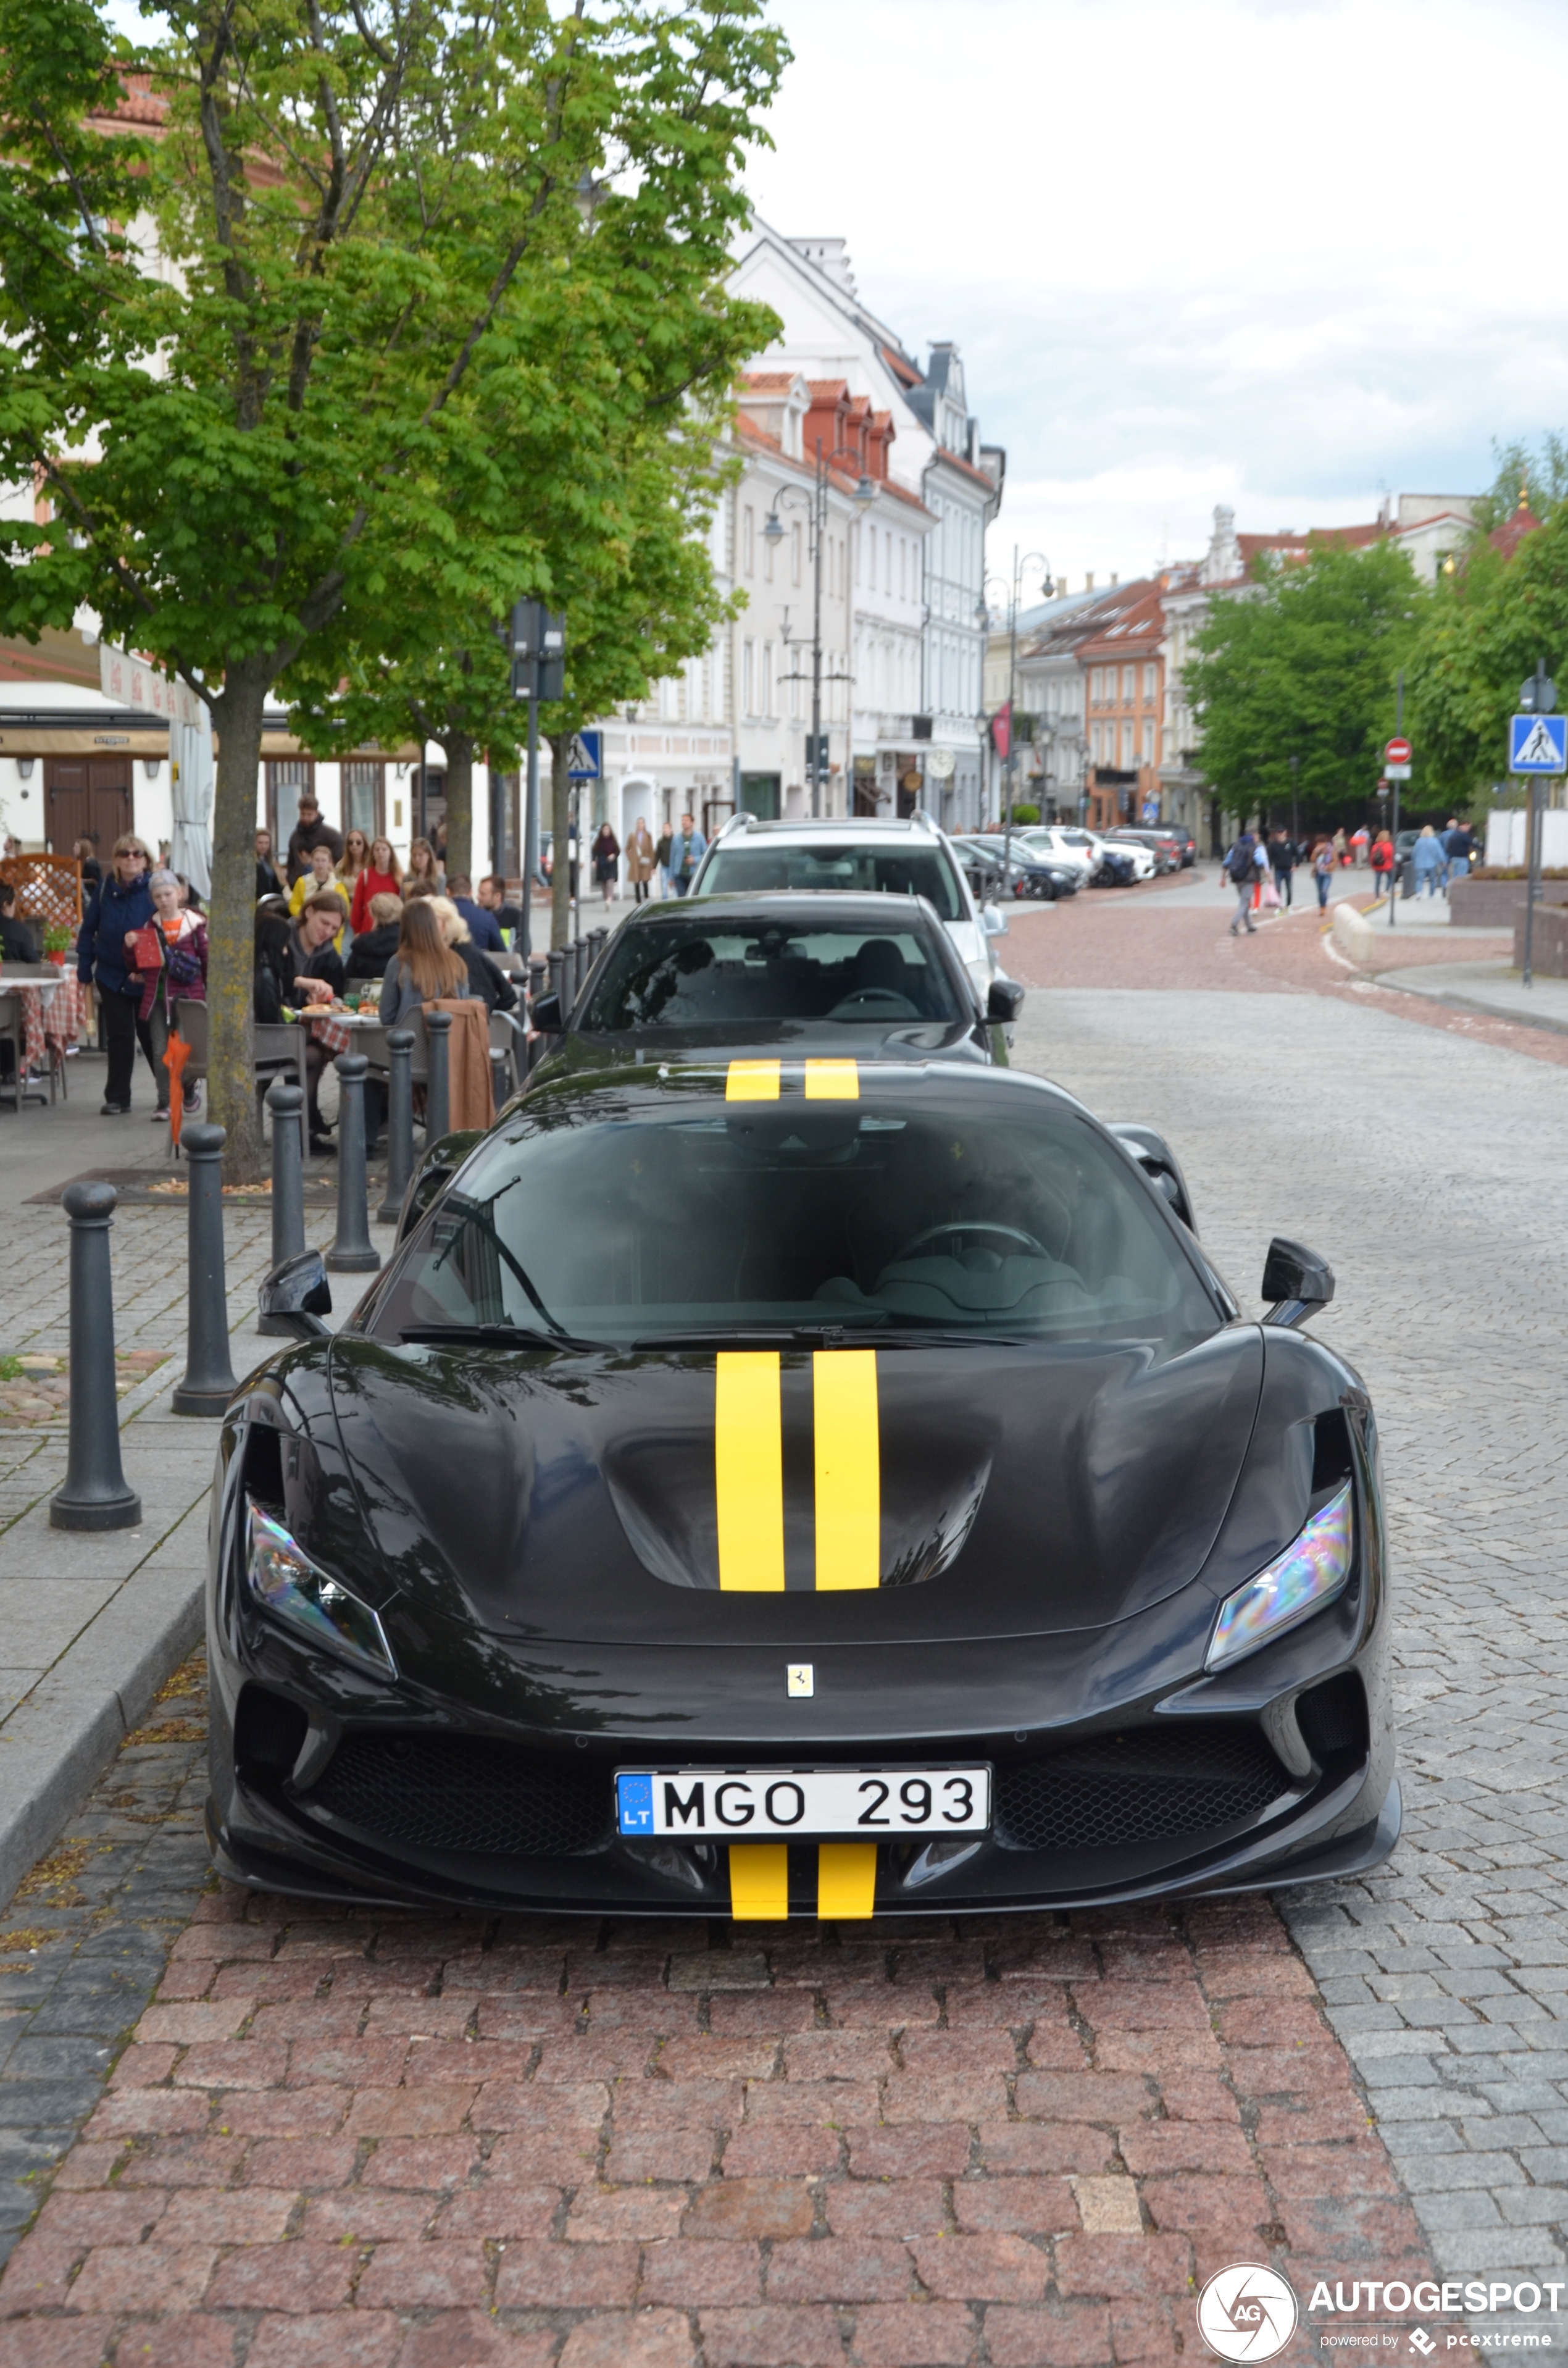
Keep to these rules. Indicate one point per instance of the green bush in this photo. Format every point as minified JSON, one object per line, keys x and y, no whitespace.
{"x":1026,"y":813}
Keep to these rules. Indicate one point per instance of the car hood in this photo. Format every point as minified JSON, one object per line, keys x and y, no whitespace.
{"x":1022,"y":1490}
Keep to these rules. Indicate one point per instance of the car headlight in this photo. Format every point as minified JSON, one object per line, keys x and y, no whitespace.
{"x":1310,"y":1572}
{"x":294,"y":1590}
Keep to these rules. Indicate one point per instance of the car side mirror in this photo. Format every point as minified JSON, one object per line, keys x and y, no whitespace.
{"x":1005,"y":999}
{"x":294,"y":1297}
{"x":546,"y":1014}
{"x":1296,"y":1281}
{"x":994,"y":921}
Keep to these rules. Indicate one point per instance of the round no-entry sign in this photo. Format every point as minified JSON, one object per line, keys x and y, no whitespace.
{"x":1397,"y":752}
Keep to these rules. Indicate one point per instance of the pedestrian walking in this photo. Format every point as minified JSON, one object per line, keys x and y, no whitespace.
{"x":1241,"y":870}
{"x":641,"y":858}
{"x":1260,"y":870}
{"x":308,"y":833}
{"x":1382,"y":860}
{"x":1458,"y":840}
{"x":1341,"y":851}
{"x":1360,"y":840}
{"x":383,"y":876}
{"x":1325,"y":863}
{"x":687,"y":849}
{"x":1282,"y":863}
{"x":606,"y":861}
{"x":662,"y":858}
{"x":1428,"y":857}
{"x":169,"y":959}
{"x":121,"y":906}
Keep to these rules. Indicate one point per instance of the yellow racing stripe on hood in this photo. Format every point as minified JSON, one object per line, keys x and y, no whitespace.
{"x":752,"y":1081}
{"x":849,"y":1468}
{"x":748,"y":1470}
{"x":833,"y":1081}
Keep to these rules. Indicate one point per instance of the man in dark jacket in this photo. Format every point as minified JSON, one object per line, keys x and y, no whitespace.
{"x":310,"y":831}
{"x":493,"y":898}
{"x":482,"y":926}
{"x":17,"y":942}
{"x":120,"y":905}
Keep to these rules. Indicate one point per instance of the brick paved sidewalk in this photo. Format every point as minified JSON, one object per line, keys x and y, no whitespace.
{"x":436,"y":2141}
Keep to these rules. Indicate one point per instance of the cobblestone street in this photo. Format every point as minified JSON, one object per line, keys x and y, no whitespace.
{"x":413,"y":2141}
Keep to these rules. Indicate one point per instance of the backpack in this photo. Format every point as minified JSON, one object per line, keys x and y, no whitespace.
{"x":1240,"y":864}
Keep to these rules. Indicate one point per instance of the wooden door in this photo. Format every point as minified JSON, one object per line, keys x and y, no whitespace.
{"x":86,"y":797}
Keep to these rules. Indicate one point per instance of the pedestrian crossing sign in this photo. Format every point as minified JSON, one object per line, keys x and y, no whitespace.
{"x":1538,"y":744}
{"x":585,"y":760}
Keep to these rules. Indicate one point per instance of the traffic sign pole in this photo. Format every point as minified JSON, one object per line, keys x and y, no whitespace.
{"x":1538,"y":744}
{"x":1397,"y":756}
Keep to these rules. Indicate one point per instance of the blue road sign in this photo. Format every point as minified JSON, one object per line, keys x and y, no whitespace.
{"x":1538,"y":744}
{"x":587,"y":762}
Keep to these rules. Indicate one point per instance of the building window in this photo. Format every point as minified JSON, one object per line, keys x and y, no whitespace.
{"x":748,"y":668}
{"x":767,"y":679}
{"x":748,"y":540}
{"x":1129,"y":678}
{"x":362,"y":799}
{"x":1148,"y":741}
{"x":288,"y":778}
{"x":1094,"y":687}
{"x":1148,"y":680}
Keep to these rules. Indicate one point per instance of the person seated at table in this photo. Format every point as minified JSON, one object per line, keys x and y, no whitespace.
{"x":318,"y":979}
{"x":423,"y":866}
{"x":277,"y":960}
{"x":425,"y":967}
{"x":482,"y":926}
{"x":484,"y":975}
{"x":493,"y":898}
{"x":383,"y":876}
{"x":17,"y":942}
{"x":376,"y":946}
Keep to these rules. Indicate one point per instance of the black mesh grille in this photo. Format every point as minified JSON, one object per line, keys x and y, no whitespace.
{"x":439,"y":1792}
{"x":1145,"y":1786}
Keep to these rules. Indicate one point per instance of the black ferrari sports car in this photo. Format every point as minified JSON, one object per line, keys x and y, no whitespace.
{"x":790,"y":973}
{"x":800,"y":1490}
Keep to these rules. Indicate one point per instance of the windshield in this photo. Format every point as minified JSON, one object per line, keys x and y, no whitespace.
{"x":682,"y":1213}
{"x":901,"y":870}
{"x":709,"y":970}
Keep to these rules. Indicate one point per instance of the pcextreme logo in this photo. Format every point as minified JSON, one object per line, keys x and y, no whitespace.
{"x":1248,"y":2312}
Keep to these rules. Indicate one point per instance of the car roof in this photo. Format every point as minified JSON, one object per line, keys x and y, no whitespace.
{"x":866,"y":827}
{"x":826,"y":908}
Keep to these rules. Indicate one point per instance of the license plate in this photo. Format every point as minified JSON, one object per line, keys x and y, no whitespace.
{"x":753,"y":1803}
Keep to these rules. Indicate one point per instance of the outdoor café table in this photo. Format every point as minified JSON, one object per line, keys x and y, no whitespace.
{"x":52,"y":1006}
{"x":336,"y":1031}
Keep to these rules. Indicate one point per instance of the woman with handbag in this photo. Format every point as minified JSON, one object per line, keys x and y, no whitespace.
{"x":167,"y":958}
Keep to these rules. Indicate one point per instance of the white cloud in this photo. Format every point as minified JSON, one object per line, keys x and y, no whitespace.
{"x":1273,"y":251}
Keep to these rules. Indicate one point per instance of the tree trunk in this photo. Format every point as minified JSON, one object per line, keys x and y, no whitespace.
{"x":231,"y":920}
{"x":459,"y":746}
{"x":561,"y":825}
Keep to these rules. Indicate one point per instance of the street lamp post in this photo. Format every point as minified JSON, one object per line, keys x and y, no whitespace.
{"x":815,"y":503}
{"x":1009,"y":763}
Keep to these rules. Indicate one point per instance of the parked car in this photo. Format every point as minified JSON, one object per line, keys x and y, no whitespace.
{"x":909,"y":858}
{"x":1161,"y":844}
{"x":512,"y":1602}
{"x":1087,"y":849}
{"x":1031,"y":874}
{"x":795,"y":974}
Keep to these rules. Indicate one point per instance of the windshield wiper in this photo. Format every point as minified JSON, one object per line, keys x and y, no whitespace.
{"x":490,"y":1335}
{"x":766,"y":1336}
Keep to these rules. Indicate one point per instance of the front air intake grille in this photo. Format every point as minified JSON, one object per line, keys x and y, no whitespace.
{"x":1118,"y":1790}
{"x":454,"y":1793}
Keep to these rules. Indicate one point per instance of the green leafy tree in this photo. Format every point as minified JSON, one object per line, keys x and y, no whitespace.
{"x":373,"y":218}
{"x":1529,"y":476}
{"x":1303,"y":664}
{"x":1493,"y":622}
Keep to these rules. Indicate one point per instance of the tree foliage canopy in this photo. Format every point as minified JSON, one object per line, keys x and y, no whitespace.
{"x":1492,"y":621}
{"x":348,"y":339}
{"x":1302,"y":663}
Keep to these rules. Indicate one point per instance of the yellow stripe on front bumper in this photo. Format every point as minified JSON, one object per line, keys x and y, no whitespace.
{"x":752,"y":1081}
{"x":759,"y":1881}
{"x":833,"y":1081}
{"x":849,"y":1468}
{"x":847,"y":1880}
{"x":748,"y":1470}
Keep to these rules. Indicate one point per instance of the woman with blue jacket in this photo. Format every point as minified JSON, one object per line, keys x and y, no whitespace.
{"x":1430,"y":855}
{"x":121,"y":904}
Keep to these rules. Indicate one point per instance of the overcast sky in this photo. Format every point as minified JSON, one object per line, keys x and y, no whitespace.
{"x":1272,"y":252}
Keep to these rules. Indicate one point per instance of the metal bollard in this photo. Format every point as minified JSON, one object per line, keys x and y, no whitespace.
{"x":597,"y":941}
{"x":539,"y":973}
{"x":579,"y":965}
{"x":353,"y":1251}
{"x":437,"y":1088}
{"x":400,"y":1124}
{"x":538,"y":984}
{"x":95,"y":1495}
{"x":500,"y":1074}
{"x":209,"y":1383}
{"x":287,"y":1104}
{"x":558,"y":975}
